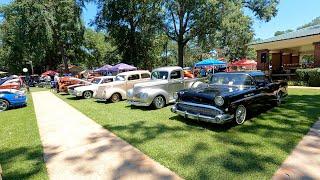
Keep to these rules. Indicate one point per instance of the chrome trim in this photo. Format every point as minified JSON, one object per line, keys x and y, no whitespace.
{"x":201,"y":105}
{"x":219,"y":119}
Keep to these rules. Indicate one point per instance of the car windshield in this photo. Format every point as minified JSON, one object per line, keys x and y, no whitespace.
{"x":159,"y":75}
{"x":231,"y":79}
{"x":120,"y":78}
{"x":96,"y":81}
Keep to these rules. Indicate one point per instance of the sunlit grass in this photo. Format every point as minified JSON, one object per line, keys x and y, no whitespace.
{"x":21,"y":154}
{"x":200,"y":150}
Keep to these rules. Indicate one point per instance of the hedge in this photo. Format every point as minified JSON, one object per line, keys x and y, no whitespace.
{"x":310,"y":76}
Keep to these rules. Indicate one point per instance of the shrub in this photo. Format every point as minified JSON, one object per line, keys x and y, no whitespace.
{"x":310,"y":76}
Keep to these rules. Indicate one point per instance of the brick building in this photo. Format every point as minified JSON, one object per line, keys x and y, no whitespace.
{"x":284,"y":53}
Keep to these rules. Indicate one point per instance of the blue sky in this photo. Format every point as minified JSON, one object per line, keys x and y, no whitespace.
{"x":291,"y":14}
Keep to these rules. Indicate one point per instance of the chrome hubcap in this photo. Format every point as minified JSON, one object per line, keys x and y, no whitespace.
{"x":159,"y":102}
{"x":87,"y":94}
{"x":241,"y":113}
{"x":3,"y":106}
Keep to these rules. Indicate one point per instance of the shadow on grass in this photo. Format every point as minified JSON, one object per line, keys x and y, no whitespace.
{"x":25,"y":155}
{"x":146,"y":131}
{"x":140,"y":108}
{"x":278,"y":129}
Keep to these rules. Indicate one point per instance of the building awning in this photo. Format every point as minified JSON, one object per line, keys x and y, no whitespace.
{"x":298,"y":41}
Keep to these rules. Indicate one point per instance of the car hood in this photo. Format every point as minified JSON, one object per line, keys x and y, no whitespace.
{"x":206,"y":94}
{"x":87,"y":88}
{"x":151,"y":83}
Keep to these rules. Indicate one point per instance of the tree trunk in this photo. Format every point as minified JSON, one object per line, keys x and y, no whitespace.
{"x":180,"y":53}
{"x":65,"y":60}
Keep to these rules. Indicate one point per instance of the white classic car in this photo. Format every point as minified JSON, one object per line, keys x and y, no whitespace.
{"x":117,"y":90}
{"x":88,"y":91}
{"x":162,"y":88}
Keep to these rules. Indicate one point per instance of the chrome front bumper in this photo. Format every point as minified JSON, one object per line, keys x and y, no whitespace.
{"x":138,"y":103}
{"x":219,"y":119}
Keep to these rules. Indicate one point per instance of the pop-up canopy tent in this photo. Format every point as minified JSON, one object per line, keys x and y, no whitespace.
{"x":211,"y":62}
{"x":243,"y":64}
{"x":122,"y":67}
{"x":103,"y":69}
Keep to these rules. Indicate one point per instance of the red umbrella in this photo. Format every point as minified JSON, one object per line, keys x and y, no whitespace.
{"x":49,"y":73}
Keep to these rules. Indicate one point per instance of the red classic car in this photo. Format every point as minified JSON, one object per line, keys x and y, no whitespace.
{"x":12,"y":84}
{"x":65,"y":82}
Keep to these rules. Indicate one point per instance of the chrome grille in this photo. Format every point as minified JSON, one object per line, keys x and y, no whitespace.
{"x":197,"y":110}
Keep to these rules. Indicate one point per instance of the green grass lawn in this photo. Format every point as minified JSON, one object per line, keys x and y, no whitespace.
{"x":21,"y":154}
{"x":197,"y":150}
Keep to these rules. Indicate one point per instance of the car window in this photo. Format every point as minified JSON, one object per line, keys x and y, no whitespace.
{"x":107,"y":80}
{"x":159,"y":75}
{"x":96,"y":80}
{"x":145,"y":76}
{"x":120,"y":78}
{"x":248,"y":82}
{"x":175,"y":75}
{"x":133,"y":77}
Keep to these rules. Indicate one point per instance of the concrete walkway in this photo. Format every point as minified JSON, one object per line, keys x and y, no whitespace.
{"x":303,"y":87}
{"x":75,"y":147}
{"x":304,"y":161}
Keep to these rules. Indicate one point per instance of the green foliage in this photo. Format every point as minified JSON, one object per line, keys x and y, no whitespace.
{"x":214,"y":23}
{"x":314,"y":22}
{"x":133,"y":27}
{"x":45,"y":32}
{"x":310,"y":76}
{"x":97,"y":51}
{"x":277,"y":33}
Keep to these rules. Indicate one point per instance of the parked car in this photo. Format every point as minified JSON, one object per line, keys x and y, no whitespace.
{"x":161,"y":89}
{"x":12,"y":98}
{"x":65,"y":82}
{"x":12,"y":84}
{"x":229,"y":96}
{"x":117,"y":90}
{"x":88,"y":91}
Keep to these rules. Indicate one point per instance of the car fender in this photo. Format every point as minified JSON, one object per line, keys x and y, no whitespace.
{"x":113,"y":90}
{"x":152,"y":93}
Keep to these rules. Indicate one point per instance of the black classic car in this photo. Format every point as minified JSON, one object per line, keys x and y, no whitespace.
{"x":228,"y":96}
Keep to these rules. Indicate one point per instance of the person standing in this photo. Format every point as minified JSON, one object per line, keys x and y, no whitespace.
{"x":203,"y":72}
{"x":56,"y":81}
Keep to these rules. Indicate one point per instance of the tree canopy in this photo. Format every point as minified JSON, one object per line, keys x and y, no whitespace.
{"x":143,"y":33}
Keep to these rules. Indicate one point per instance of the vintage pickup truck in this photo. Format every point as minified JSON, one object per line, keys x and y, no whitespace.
{"x":229,"y":96}
{"x":161,"y":89}
{"x":117,"y":90}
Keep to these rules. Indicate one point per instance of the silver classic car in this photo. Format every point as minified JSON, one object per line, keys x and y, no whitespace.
{"x":161,"y":89}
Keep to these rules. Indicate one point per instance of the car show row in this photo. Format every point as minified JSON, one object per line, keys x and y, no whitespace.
{"x":224,"y":97}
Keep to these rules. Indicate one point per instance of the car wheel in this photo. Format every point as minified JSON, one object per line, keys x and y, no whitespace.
{"x":4,"y":105}
{"x":158,"y":102}
{"x":87,"y":94}
{"x":279,"y":99}
{"x":116,"y":97}
{"x":240,"y":114}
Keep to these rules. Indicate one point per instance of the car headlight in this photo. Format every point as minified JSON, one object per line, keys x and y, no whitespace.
{"x":219,"y":100}
{"x":130,"y":93}
{"x":144,"y":95}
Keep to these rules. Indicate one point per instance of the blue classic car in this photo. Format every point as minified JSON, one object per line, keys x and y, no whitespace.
{"x":12,"y":98}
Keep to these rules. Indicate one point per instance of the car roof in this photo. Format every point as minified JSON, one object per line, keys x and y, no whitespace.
{"x":251,"y":73}
{"x":134,"y":72}
{"x":168,"y":68}
{"x":103,"y":77}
